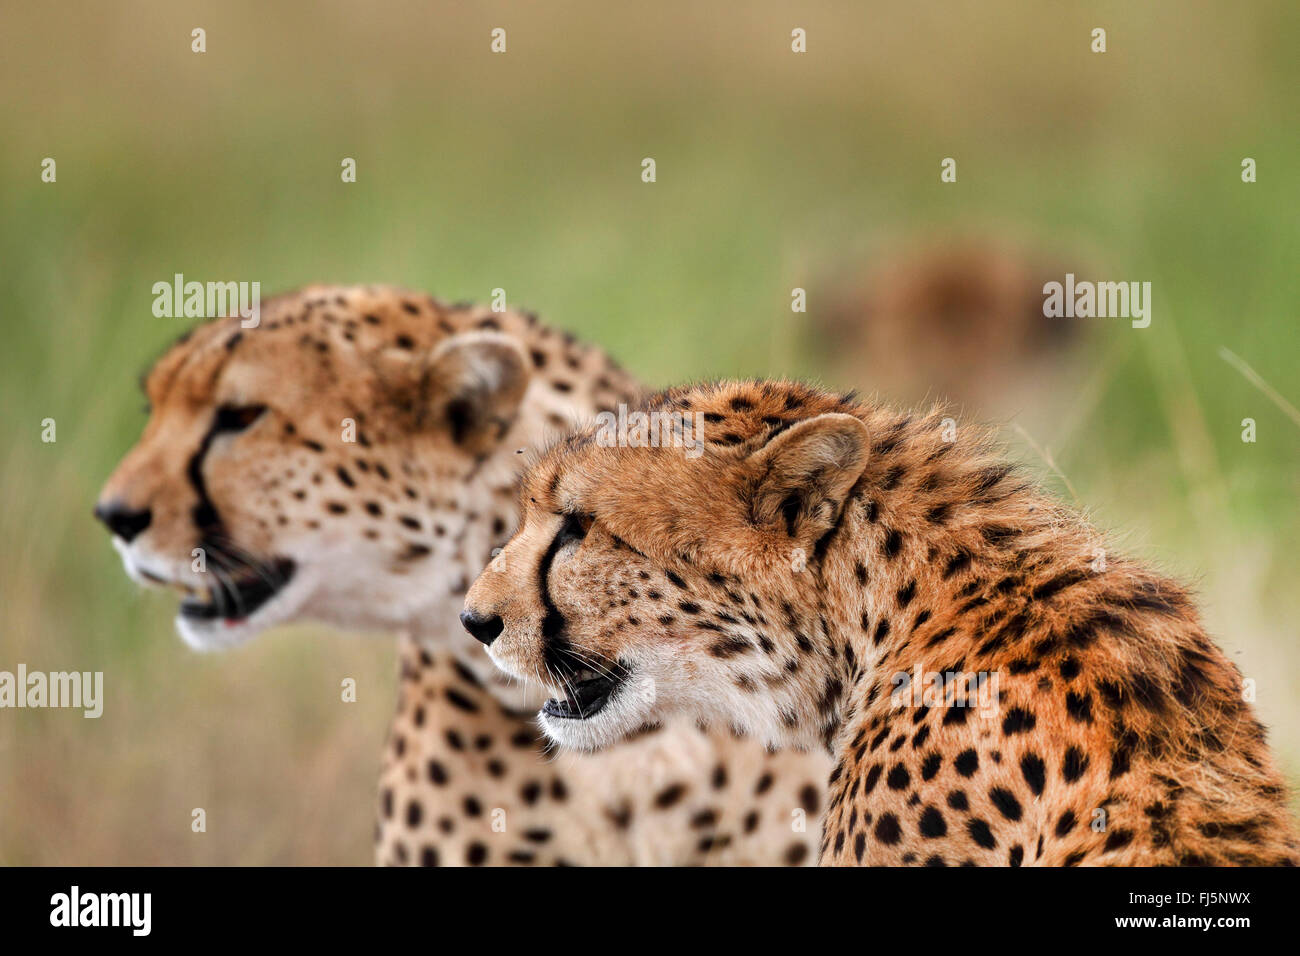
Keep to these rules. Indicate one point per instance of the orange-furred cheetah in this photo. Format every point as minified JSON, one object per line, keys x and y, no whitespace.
{"x":885,"y":585}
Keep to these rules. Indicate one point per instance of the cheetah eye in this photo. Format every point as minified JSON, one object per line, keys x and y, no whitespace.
{"x":575,"y":528}
{"x":235,"y":418}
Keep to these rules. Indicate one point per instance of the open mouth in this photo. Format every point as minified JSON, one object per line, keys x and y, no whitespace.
{"x":586,"y":693}
{"x":238,"y":592}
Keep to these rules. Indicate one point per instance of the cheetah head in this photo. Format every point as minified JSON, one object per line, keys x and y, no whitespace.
{"x":341,"y":462}
{"x":645,"y":581}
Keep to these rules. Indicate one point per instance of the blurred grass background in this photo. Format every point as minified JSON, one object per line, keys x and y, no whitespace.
{"x":523,"y":171}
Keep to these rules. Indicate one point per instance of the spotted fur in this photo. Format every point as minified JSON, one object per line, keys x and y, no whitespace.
{"x":783,"y":582}
{"x":359,"y":450}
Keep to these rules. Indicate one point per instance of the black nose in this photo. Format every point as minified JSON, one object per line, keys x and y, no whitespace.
{"x":483,"y":629}
{"x":121,"y":520}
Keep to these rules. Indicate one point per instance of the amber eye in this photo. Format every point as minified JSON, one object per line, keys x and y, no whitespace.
{"x":235,"y":418}
{"x":575,"y":528}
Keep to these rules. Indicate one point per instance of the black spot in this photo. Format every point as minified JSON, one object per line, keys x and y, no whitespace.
{"x":1121,"y":759}
{"x":967,"y":763}
{"x":888,"y":831}
{"x":1006,"y":802}
{"x":979,"y":832}
{"x":669,"y":796}
{"x":730,"y":646}
{"x":898,"y":778}
{"x":1058,"y":583}
{"x":704,"y":818}
{"x":1074,"y":764}
{"x":893,"y":544}
{"x":957,"y":800}
{"x":1035,"y":772}
{"x":930,"y":766}
{"x":1118,"y":839}
{"x":933,"y":824}
{"x":882,"y":630}
{"x":939,"y":513}
{"x":808,"y":798}
{"x":1079,"y":707}
{"x":1066,"y":823}
{"x":1018,"y":720}
{"x":872,"y":776}
{"x":460,"y":701}
{"x":956,"y":563}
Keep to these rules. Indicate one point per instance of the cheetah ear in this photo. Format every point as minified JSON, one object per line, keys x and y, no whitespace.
{"x":478,"y":381}
{"x":803,"y":475}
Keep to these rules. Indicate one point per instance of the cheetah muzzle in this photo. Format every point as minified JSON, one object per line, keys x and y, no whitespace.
{"x":240,"y":593}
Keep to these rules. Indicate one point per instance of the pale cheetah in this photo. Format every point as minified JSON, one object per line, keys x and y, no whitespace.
{"x":353,"y":460}
{"x":804,"y":580}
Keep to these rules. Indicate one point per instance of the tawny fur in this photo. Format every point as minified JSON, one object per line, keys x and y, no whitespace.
{"x":387,"y":530}
{"x":780,"y":583}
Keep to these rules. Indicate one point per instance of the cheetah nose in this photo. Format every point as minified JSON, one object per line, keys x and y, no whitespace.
{"x":123,"y":521}
{"x":483,"y":629}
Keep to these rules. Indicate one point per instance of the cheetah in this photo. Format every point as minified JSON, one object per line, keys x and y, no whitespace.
{"x":815,"y":578}
{"x":353,"y":460}
{"x":957,"y":317}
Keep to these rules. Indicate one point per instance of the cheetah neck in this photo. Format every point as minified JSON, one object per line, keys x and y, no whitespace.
{"x":960,"y":605}
{"x":571,"y":382}
{"x":939,"y":541}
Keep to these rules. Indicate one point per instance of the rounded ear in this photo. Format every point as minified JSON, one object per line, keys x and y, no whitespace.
{"x":470,"y":385}
{"x":478,"y":382}
{"x":803,"y":476}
